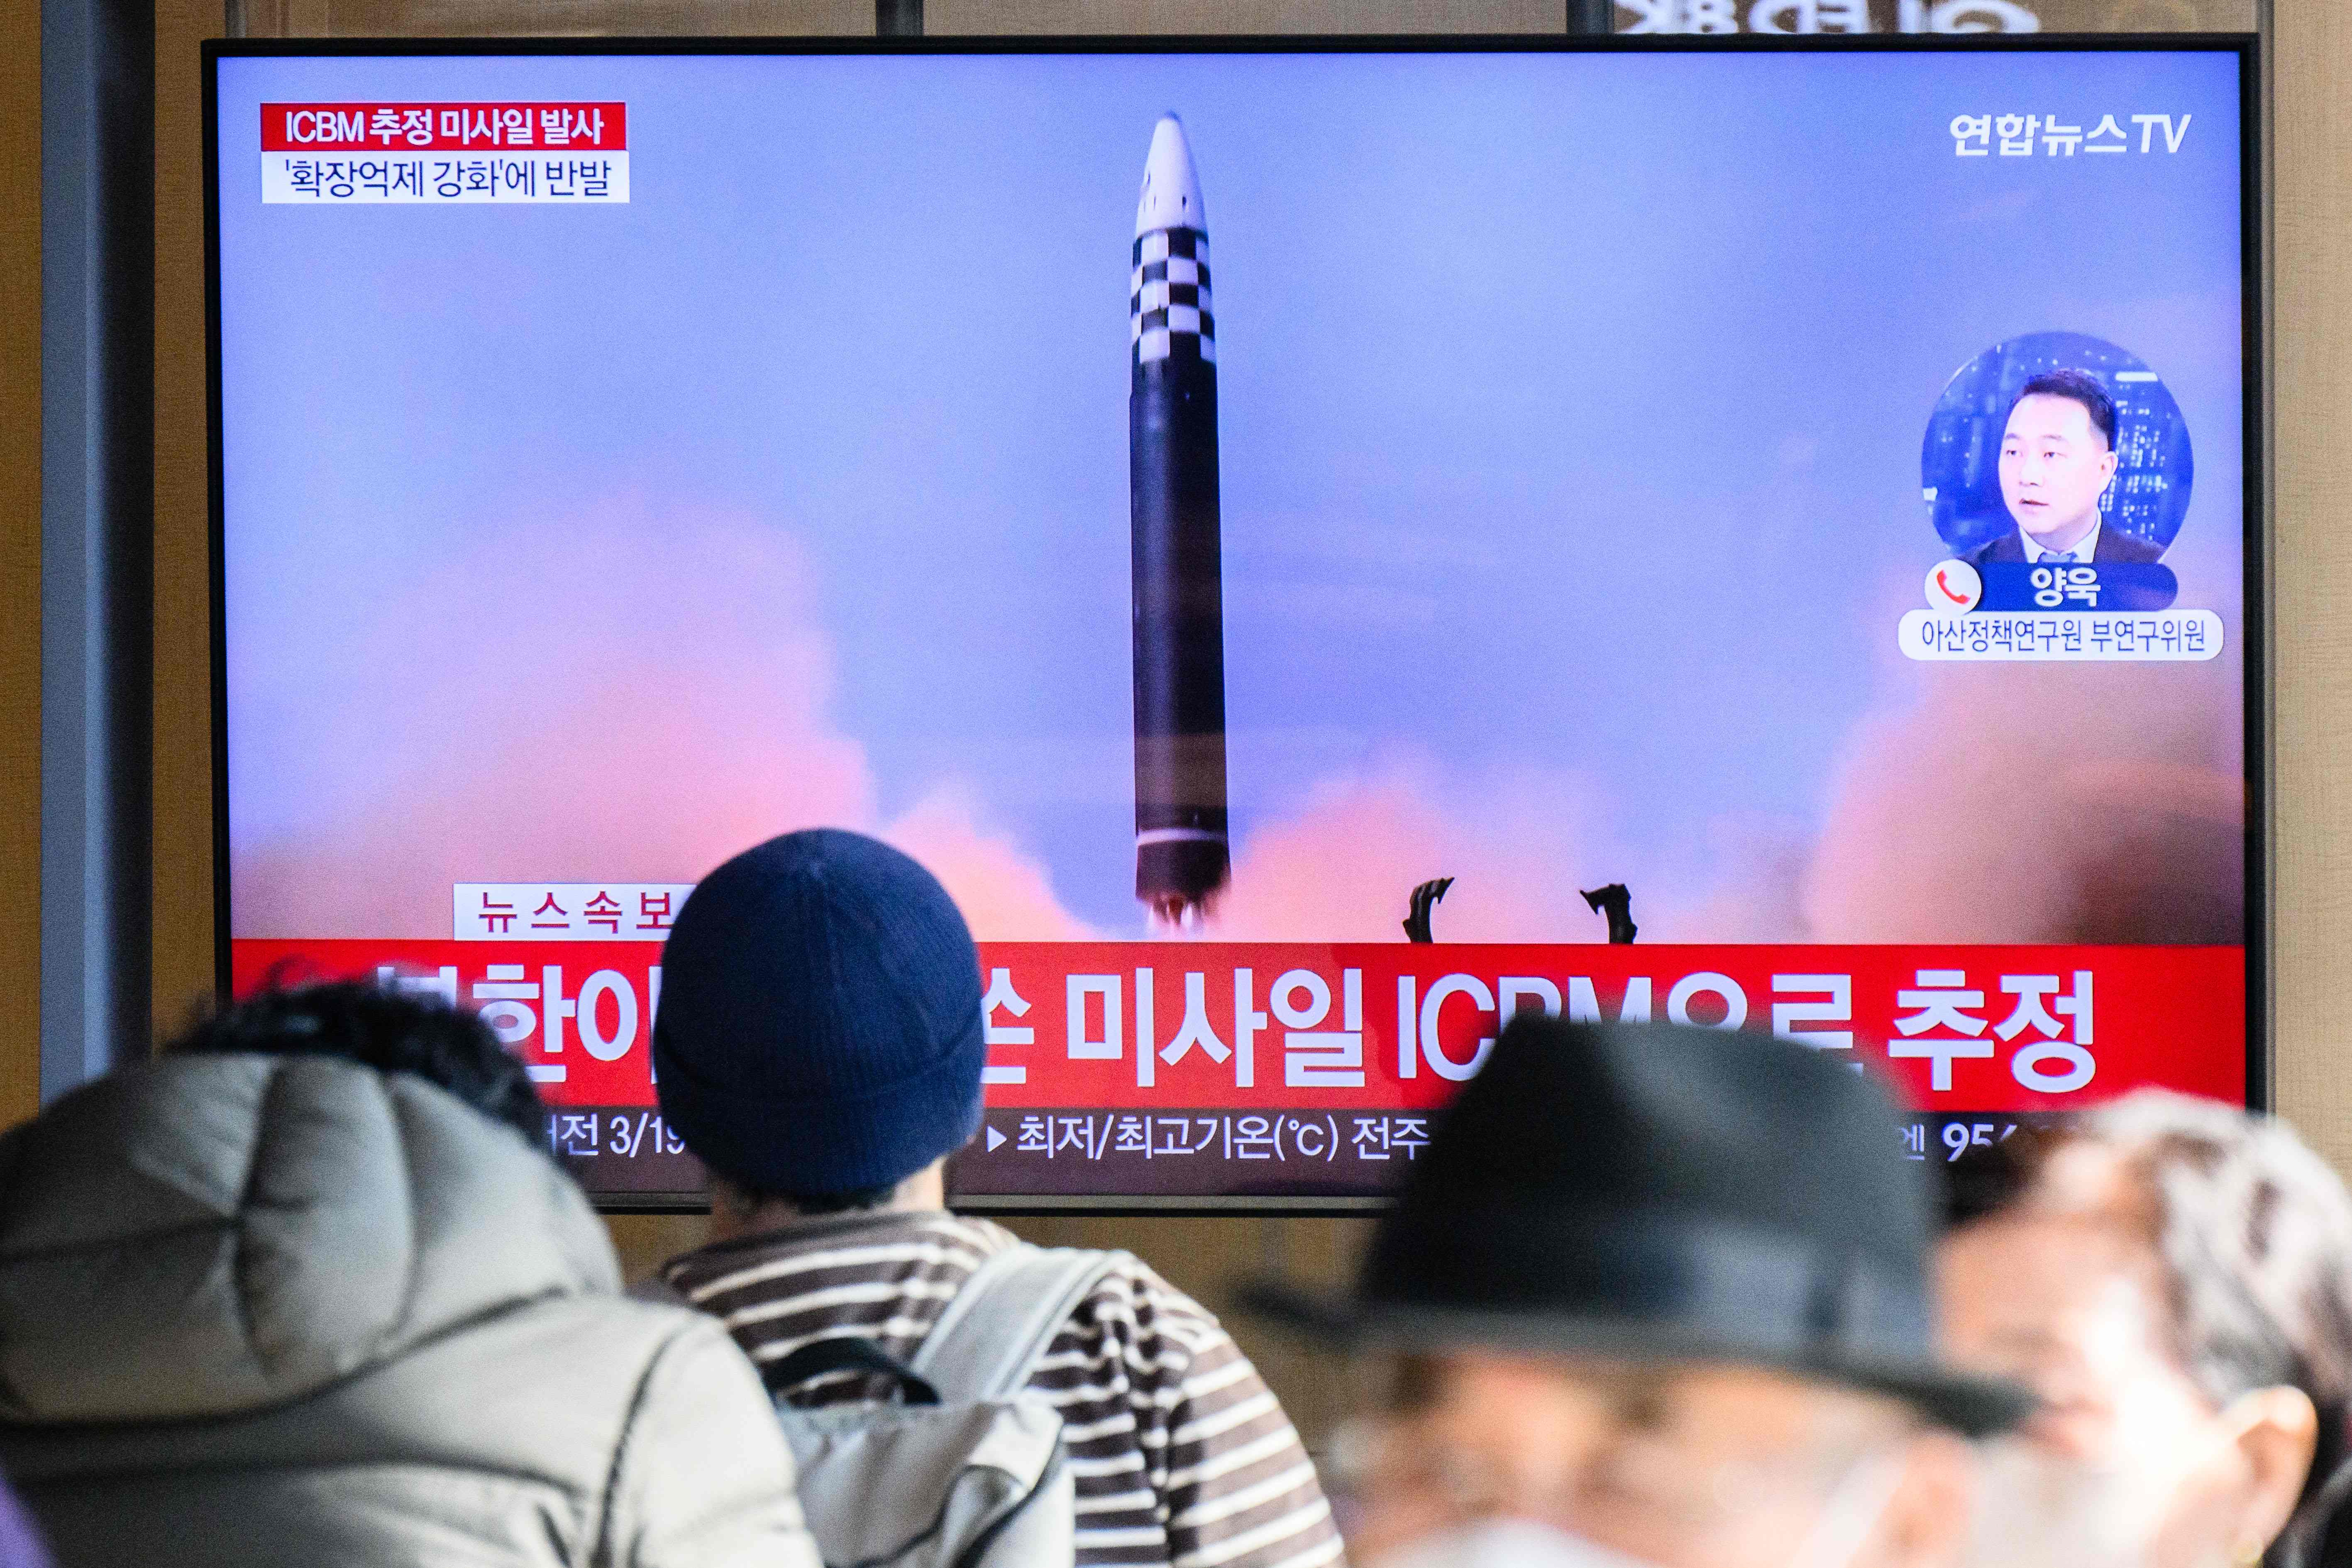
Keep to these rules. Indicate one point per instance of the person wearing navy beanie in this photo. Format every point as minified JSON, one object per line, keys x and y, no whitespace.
{"x":819,"y":1049}
{"x":820,"y":1037}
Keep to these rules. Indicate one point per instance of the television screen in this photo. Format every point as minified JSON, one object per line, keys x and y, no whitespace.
{"x":1319,"y":547}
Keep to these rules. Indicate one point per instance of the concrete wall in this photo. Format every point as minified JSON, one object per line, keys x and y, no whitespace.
{"x":2310,"y":47}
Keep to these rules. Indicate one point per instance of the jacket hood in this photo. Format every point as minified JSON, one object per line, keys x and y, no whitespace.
{"x":206,"y":1236}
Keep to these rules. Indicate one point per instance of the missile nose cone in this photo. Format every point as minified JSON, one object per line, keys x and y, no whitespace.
{"x":1171,"y":189}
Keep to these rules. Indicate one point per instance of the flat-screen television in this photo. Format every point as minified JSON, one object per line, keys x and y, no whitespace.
{"x":1320,"y":545}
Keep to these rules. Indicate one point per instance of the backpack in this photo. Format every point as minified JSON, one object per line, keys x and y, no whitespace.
{"x":966,"y":1471}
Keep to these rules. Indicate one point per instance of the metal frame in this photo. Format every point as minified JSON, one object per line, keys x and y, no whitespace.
{"x":98,"y":465}
{"x":2253,"y":653}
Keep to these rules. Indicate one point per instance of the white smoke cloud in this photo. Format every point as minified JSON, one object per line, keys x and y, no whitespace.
{"x":1342,"y":868}
{"x":2038,"y":803}
{"x":474,"y":732}
{"x":506,"y":735}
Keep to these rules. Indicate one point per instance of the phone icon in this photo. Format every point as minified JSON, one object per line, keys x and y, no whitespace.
{"x":1954,"y":588}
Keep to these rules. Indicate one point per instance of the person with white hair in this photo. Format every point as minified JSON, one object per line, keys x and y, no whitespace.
{"x":2173,"y":1277}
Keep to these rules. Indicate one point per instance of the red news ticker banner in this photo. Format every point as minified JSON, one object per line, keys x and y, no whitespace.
{"x":579,"y":126}
{"x":1398,"y":1026}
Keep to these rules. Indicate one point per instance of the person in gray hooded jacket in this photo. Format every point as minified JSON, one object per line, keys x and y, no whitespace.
{"x":289,"y":1296}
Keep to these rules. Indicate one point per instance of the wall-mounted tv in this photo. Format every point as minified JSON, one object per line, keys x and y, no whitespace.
{"x":1320,"y":545}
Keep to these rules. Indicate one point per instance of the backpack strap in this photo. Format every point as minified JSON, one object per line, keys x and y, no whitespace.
{"x":988,"y":1342}
{"x":823,"y":1358}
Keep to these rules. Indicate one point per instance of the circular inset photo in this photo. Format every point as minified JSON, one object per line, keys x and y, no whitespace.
{"x":2061,"y":441}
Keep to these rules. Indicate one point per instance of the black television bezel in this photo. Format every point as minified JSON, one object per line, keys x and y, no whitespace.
{"x":2254,"y":648}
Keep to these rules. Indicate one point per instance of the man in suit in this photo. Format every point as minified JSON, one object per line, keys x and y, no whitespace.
{"x":2057,"y":459}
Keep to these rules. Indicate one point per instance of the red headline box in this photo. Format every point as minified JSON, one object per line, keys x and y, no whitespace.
{"x":1398,"y":1026}
{"x":445,"y":127}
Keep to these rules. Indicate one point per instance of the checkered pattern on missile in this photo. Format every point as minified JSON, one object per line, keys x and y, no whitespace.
{"x":1168,"y":298}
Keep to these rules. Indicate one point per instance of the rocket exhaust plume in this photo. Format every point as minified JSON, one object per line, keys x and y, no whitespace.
{"x":1181,"y":854}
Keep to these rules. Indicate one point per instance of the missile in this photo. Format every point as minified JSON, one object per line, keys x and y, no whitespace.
{"x":1181,"y":859}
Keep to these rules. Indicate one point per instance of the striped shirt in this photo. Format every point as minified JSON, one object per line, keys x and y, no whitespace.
{"x":1181,"y":1454}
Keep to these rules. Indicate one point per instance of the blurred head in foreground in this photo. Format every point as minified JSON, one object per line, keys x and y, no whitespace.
{"x":2173,"y":1278}
{"x":383,"y":1027}
{"x":820,"y":1043}
{"x":1660,"y":1296}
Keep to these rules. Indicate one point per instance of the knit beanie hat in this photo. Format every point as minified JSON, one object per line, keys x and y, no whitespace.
{"x":820,"y":1028}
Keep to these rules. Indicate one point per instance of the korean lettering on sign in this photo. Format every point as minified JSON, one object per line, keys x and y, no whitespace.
{"x":1945,"y":1024}
{"x":534,"y":1011}
{"x":2048,"y":136}
{"x":1345,"y":1040}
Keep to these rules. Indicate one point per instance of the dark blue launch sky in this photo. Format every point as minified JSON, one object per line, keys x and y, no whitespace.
{"x":1572,"y":404}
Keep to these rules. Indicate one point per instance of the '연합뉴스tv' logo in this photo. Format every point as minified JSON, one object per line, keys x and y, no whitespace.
{"x":2051,"y":136}
{"x":336,"y":154}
